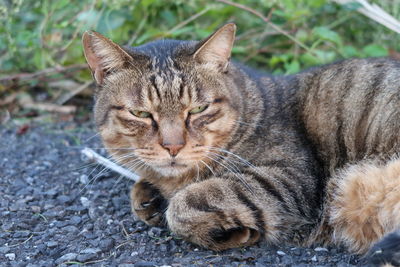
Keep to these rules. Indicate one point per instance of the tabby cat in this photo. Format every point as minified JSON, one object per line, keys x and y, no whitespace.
{"x":228,"y":155}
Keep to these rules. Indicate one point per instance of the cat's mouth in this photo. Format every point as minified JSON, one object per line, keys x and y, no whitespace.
{"x":171,"y":168}
{"x":172,"y":164}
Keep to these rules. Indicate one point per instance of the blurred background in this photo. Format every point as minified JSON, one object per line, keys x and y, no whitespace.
{"x":43,"y":75}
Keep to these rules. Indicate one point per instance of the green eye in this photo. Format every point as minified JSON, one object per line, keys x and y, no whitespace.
{"x":198,"y":109}
{"x":140,"y":114}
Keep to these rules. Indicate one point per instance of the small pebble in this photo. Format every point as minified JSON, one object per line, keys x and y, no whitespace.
{"x":36,"y":209}
{"x":52,"y":244}
{"x":318,"y":249}
{"x":86,"y":257}
{"x":10,"y":256}
{"x":85,"y":201}
{"x":84,"y":179}
{"x":145,"y":264}
{"x":66,"y":257}
{"x":4,"y":250}
{"x":90,"y":251}
{"x":106,"y":244}
{"x":280,"y":253}
{"x":75,"y":220}
{"x":64,"y":199}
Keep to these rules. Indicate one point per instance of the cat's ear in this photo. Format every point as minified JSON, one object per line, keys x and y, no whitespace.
{"x":103,"y":55}
{"x":216,"y":49}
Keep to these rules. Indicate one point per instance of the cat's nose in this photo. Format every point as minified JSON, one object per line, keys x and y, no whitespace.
{"x":173,"y":149}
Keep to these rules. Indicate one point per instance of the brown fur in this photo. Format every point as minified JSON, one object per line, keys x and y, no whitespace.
{"x":280,"y":158}
{"x":364,"y":203}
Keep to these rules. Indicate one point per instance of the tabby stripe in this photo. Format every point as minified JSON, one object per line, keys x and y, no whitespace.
{"x":200,"y":203}
{"x":269,"y":187}
{"x":294,"y":194}
{"x":181,"y":90}
{"x":291,"y":192}
{"x":258,"y":215}
{"x":107,"y":113}
{"x":374,"y":90}
{"x":153,"y":82}
{"x":149,"y":94}
{"x":341,"y":145}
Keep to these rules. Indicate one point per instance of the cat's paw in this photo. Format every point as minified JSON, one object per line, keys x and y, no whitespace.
{"x":386,"y":252}
{"x":148,"y":204}
{"x":208,"y":214}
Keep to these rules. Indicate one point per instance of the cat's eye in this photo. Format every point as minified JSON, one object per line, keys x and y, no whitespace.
{"x":140,"y":114}
{"x":198,"y":109}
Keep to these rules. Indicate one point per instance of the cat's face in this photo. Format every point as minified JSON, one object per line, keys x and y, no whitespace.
{"x":167,"y":105}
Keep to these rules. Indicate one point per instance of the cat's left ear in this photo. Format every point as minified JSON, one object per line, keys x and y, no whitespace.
{"x":103,"y":55}
{"x":216,"y":49}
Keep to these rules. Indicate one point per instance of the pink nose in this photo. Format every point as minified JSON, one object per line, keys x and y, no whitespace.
{"x":173,"y":149}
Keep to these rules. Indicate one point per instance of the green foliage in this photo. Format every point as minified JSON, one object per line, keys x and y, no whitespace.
{"x":39,"y":34}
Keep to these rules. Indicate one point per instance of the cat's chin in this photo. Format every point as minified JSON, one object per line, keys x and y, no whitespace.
{"x":172,"y":171}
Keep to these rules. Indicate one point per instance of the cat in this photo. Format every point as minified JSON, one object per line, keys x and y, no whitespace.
{"x":228,"y":155}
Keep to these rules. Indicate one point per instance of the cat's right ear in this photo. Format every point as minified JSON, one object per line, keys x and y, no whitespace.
{"x":103,"y":55}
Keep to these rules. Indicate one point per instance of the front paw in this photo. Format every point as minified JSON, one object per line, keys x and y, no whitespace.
{"x":209,"y":214}
{"x":148,"y":204}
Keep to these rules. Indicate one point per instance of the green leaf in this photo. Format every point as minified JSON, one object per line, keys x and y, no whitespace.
{"x":375,"y":51}
{"x":309,"y":59}
{"x":349,"y":51}
{"x":89,"y":17}
{"x":239,"y":50}
{"x":327,"y":34}
{"x":293,"y":67}
{"x":111,"y":21}
{"x":302,"y":35}
{"x":316,"y":3}
{"x":352,"y":6}
{"x":325,"y":56}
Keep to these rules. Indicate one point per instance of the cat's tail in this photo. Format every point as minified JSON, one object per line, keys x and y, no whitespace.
{"x":362,"y":210}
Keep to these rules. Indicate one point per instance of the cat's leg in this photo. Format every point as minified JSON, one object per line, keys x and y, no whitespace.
{"x":147,"y":203}
{"x":219,"y":214}
{"x":364,"y":207}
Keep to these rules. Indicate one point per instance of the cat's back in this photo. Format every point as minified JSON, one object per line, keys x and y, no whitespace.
{"x":349,"y":107}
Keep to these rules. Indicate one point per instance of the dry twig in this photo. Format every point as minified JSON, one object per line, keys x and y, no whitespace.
{"x":45,"y":72}
{"x":26,"y":102}
{"x":376,"y":13}
{"x":69,"y":95}
{"x":267,"y":20}
{"x":109,"y":164}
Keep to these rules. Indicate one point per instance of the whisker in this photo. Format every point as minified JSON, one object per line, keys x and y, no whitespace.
{"x":93,"y":136}
{"x":233,"y":154}
{"x":241,"y":179}
{"x":198,"y":172}
{"x":208,"y":167}
{"x":93,"y":179}
{"x":105,"y":148}
{"x":120,"y":178}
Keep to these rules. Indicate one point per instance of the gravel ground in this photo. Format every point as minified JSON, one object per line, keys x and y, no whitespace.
{"x":54,"y":213}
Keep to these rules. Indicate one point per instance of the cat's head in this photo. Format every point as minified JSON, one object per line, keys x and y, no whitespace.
{"x":167,"y":105}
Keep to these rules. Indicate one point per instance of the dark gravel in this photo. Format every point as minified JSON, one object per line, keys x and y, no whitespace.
{"x":53,"y":212}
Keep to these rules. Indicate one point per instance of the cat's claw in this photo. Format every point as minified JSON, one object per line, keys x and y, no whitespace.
{"x":147,"y":203}
{"x":152,"y":216}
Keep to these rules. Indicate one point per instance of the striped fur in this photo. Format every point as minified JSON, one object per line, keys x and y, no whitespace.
{"x":258,"y":162}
